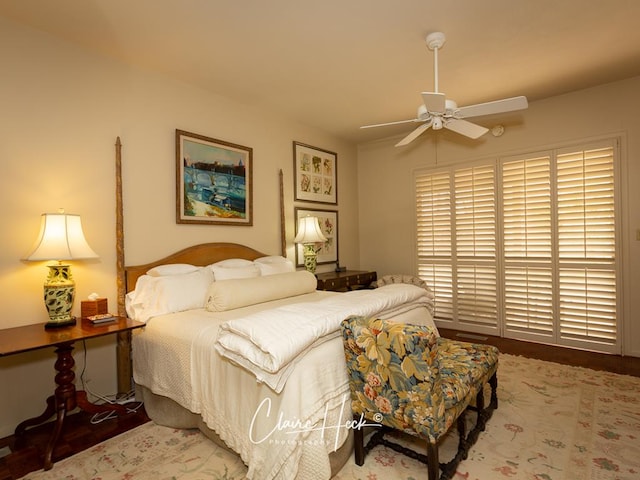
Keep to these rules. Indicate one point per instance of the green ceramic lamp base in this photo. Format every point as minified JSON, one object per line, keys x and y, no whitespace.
{"x":60,"y":323}
{"x":310,"y":257}
{"x":59,"y":290}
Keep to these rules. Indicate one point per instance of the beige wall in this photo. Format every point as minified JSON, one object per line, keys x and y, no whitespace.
{"x":385,"y":177}
{"x":62,"y":109}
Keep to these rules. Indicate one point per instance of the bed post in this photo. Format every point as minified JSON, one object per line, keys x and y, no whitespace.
{"x":283,"y":232}
{"x":123,"y":349}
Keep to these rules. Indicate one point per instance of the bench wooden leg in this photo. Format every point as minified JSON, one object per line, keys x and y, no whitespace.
{"x":481,"y":422}
{"x":433,"y":464}
{"x":463,"y":444}
{"x":493,"y":381}
{"x":358,"y":442}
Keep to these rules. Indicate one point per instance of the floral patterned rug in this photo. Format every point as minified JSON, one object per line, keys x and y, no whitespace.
{"x":554,"y":422}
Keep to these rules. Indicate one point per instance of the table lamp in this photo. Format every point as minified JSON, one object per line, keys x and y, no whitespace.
{"x":60,"y":238}
{"x":309,"y":235}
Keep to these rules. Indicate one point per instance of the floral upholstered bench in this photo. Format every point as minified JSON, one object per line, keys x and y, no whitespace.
{"x":406,"y":378}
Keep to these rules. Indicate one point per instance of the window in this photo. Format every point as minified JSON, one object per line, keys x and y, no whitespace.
{"x":524,"y":246}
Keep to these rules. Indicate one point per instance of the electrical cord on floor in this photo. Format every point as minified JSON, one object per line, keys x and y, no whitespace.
{"x":107,"y":399}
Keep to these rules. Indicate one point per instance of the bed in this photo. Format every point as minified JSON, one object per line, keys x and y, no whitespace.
{"x":287,"y":417}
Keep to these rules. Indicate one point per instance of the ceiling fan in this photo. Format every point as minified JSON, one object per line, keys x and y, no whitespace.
{"x":439,"y":112}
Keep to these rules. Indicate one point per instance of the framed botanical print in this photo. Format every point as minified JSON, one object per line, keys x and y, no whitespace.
{"x":328,"y":220}
{"x":213,"y":181}
{"x":315,"y":174}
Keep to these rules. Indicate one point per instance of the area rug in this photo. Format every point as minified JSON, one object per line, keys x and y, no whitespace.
{"x":554,"y":422}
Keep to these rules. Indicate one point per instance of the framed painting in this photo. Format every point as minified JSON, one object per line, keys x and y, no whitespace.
{"x":213,"y":181}
{"x":315,"y":174}
{"x":328,"y":220}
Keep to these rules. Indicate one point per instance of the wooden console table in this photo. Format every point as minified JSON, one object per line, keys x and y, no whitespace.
{"x":347,"y":280}
{"x":65,"y":397}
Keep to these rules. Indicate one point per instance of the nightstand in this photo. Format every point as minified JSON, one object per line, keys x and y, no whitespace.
{"x":65,"y":397}
{"x":347,"y":280}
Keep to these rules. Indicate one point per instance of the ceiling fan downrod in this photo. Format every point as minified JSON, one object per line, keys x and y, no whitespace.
{"x":435,"y":41}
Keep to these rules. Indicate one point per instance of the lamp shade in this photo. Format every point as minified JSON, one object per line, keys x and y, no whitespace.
{"x":309,"y":231}
{"x":60,"y":238}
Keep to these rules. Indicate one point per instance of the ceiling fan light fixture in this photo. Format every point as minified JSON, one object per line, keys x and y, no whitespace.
{"x":436,"y":123}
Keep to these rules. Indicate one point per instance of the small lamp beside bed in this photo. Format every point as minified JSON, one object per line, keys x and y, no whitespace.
{"x":309,"y":235}
{"x":60,"y":238}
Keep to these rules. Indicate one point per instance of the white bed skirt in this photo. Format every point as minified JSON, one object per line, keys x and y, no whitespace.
{"x":164,"y":411}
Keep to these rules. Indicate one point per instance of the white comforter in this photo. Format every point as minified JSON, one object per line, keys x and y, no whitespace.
{"x":270,"y":353}
{"x":286,"y":435}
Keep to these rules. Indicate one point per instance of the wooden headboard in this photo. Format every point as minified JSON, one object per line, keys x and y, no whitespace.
{"x":201,"y":255}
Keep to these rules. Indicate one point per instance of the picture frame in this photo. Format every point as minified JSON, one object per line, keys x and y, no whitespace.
{"x":328,"y":220}
{"x":214,"y":181}
{"x":315,"y":174}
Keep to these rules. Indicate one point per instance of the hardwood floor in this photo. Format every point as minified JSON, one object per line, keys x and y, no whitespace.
{"x":80,"y":434}
{"x":567,"y":356}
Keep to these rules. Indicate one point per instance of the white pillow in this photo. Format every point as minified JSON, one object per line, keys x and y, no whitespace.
{"x":232,"y":294}
{"x":233,"y":263}
{"x":155,"y":296}
{"x":232,"y":273}
{"x":271,"y":259}
{"x":274,"y":264}
{"x":172,"y":269}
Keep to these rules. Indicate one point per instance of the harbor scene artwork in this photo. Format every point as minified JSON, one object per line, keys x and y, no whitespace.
{"x":213,"y":181}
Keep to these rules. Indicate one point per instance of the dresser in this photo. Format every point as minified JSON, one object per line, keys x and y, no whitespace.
{"x":345,"y":281}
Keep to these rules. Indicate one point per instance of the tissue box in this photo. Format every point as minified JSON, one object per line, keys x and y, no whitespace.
{"x":93,"y":307}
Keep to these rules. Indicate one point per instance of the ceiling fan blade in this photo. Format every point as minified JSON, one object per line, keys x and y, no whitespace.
{"x":413,"y":135}
{"x":435,"y":102}
{"x":468,"y":129}
{"x":489,"y":108}
{"x":391,"y":123}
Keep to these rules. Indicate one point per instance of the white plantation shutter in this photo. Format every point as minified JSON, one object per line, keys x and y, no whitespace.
{"x":475,"y":212}
{"x":524,"y":246}
{"x":588,"y":305}
{"x":586,"y":226}
{"x":528,"y":301}
{"x":433,"y":196}
{"x":475,"y":245}
{"x":476,"y":294}
{"x":440,"y":280}
{"x":456,"y":233}
{"x":526,"y":208}
{"x":527,"y":246}
{"x":587,"y":246}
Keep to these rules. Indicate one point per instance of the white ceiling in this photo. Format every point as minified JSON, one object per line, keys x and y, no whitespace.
{"x":339,"y":64}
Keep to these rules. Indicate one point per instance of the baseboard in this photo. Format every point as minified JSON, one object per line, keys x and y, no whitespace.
{"x":472,"y":336}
